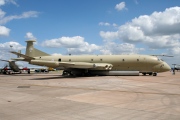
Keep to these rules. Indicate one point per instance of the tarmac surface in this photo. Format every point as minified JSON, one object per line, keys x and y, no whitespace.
{"x":53,"y":97}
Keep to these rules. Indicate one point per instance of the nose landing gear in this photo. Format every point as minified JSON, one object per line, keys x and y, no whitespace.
{"x":155,"y":74}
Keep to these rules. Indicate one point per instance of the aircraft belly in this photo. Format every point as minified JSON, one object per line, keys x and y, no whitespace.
{"x":133,"y":73}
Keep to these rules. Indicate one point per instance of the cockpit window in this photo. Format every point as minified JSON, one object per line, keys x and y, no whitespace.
{"x":160,"y":59}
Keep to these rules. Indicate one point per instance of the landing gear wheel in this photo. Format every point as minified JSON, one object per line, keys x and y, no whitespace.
{"x":65,"y":73}
{"x":144,"y":74}
{"x":154,"y":74}
{"x":150,"y":73}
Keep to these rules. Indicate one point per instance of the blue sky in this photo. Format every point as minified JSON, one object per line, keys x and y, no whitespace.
{"x":92,"y":26}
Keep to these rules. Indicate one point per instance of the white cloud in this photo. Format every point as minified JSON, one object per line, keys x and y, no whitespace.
{"x":104,"y":24}
{"x":120,"y":6}
{"x":109,"y":35}
{"x":2,"y":2}
{"x":130,"y":33}
{"x":15,"y":46}
{"x":114,"y":24}
{"x":86,"y":48}
{"x":175,"y":51}
{"x":136,"y":2}
{"x":30,"y":36}
{"x":12,"y":1}
{"x":160,"y":23}
{"x":2,"y":13}
{"x":69,"y":42}
{"x":4,"y":31}
{"x":5,"y":48}
{"x":28,"y":14}
{"x":158,"y":30}
{"x":107,"y":24}
{"x":77,"y":45}
{"x":124,"y":48}
{"x":74,"y":45}
{"x":163,"y":42}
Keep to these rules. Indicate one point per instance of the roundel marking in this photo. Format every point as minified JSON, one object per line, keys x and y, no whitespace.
{"x":30,"y":49}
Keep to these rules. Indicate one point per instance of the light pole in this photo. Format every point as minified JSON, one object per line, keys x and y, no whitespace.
{"x":10,"y":50}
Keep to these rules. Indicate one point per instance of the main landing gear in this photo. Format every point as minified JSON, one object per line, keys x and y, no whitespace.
{"x":77,"y":73}
{"x":151,"y":73}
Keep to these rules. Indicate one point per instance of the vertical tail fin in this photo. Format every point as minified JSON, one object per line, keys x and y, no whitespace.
{"x":33,"y":52}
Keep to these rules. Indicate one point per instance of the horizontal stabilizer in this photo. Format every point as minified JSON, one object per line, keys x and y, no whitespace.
{"x":22,"y":55}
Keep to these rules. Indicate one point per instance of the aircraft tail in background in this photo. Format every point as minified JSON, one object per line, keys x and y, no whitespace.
{"x":12,"y":65}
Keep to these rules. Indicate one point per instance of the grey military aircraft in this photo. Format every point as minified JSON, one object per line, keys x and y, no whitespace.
{"x":13,"y":66}
{"x":176,"y":67}
{"x":78,"y":65}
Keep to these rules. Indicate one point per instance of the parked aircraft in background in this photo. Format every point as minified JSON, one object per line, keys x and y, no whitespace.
{"x":13,"y":67}
{"x":78,"y":65}
{"x":175,"y":67}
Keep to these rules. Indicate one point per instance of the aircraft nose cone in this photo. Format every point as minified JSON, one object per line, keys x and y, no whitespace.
{"x":166,"y":67}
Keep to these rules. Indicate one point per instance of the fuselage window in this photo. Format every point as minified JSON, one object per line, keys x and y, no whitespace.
{"x":91,"y":59}
{"x":100,"y":59}
{"x":137,"y":59}
{"x":59,"y":59}
{"x":122,"y":59}
{"x":69,"y":59}
{"x":39,"y":57}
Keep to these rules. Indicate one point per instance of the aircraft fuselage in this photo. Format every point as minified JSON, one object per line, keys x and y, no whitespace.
{"x":141,"y":63}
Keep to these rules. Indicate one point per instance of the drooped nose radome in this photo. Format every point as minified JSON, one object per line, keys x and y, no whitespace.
{"x":165,"y":67}
{"x":161,"y":67}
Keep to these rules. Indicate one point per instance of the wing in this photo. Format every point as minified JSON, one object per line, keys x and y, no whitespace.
{"x":79,"y":65}
{"x":86,"y":65}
